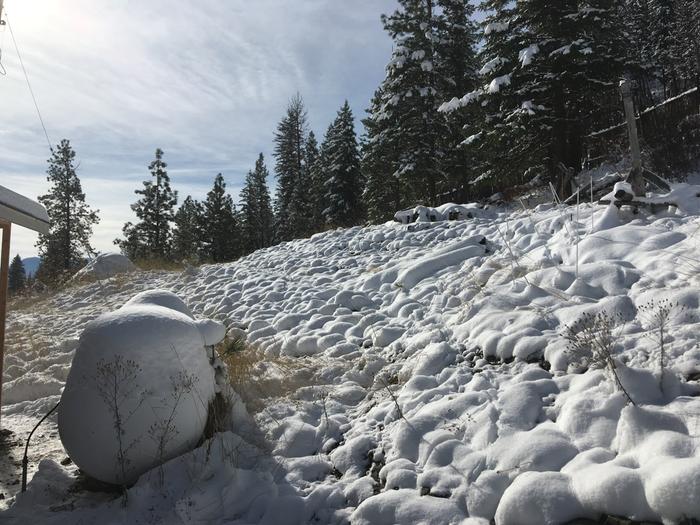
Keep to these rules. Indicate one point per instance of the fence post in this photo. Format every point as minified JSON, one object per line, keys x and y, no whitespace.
{"x":635,"y":178}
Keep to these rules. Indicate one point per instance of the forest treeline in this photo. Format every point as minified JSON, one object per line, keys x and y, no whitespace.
{"x":466,"y":109}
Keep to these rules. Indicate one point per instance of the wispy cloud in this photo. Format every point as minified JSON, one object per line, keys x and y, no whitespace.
{"x":206,"y":81}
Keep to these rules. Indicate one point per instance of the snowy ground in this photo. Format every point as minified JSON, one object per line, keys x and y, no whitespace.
{"x":426,"y":378}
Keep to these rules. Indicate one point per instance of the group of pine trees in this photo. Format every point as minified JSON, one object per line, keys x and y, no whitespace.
{"x":213,"y":230}
{"x":467,"y":110}
{"x":317,"y":187}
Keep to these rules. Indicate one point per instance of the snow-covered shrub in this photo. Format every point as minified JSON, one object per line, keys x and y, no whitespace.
{"x":138,"y":388}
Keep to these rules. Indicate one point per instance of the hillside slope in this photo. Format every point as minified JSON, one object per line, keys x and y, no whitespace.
{"x":421,"y":374}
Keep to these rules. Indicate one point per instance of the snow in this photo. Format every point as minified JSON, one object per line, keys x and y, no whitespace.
{"x":413,"y":372}
{"x":495,"y":27}
{"x":497,"y":83}
{"x":444,"y":212}
{"x":104,"y":266}
{"x":492,"y":65}
{"x":25,"y":212}
{"x":526,"y":55}
{"x":138,"y":388}
{"x":456,"y":103}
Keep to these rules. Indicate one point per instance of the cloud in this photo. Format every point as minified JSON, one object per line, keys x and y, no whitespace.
{"x":207,"y":81}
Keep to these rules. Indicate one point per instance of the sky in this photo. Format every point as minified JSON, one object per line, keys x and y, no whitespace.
{"x":206,"y":81}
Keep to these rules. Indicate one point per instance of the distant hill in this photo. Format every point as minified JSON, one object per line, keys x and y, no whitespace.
{"x":31,"y":264}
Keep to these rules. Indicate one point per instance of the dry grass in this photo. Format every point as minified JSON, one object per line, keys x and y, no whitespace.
{"x":159,"y":264}
{"x":256,"y":376}
{"x":27,"y":301}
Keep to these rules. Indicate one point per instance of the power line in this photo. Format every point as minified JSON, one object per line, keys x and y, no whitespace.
{"x":29,"y":85}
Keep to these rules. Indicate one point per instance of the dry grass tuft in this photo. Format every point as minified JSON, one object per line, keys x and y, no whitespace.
{"x":159,"y":264}
{"x":256,"y":376}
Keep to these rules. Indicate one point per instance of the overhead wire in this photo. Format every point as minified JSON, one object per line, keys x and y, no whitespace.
{"x":29,"y":84}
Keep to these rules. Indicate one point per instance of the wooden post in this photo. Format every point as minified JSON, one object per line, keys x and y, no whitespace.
{"x":635,"y":178}
{"x":4,"y":275}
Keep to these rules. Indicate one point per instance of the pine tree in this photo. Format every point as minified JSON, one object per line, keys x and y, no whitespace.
{"x":639,"y":65}
{"x":342,"y":170}
{"x":550,"y":72}
{"x":223,"y":242}
{"x":17,"y":277}
{"x":313,"y":164}
{"x":384,"y":193}
{"x":410,"y":95}
{"x":64,"y":248}
{"x":302,"y":204}
{"x":257,"y":219}
{"x":687,"y":44}
{"x":189,"y":232}
{"x":290,"y":140}
{"x":151,"y":237}
{"x":434,"y":60}
{"x":663,"y":47}
{"x":456,"y":74}
{"x":663,"y":32}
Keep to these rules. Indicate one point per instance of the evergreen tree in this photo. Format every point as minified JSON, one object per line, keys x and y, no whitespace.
{"x":64,"y":248}
{"x":549,"y":70}
{"x":410,"y":95}
{"x":342,"y":171}
{"x":257,"y":219}
{"x":290,"y":140}
{"x":189,"y":232}
{"x":687,"y":44}
{"x":384,"y":193}
{"x":639,"y":65}
{"x":456,"y":71}
{"x":417,"y":147}
{"x":301,"y":207}
{"x":663,"y":47}
{"x":222,"y":235}
{"x":151,"y":237}
{"x":17,"y":277}
{"x":313,"y":164}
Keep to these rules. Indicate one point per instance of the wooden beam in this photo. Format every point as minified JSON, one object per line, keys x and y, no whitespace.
{"x":6,"y":228}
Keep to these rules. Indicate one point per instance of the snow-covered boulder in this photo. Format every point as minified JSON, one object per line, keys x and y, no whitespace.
{"x":104,"y":266}
{"x":139,"y":387}
{"x":445,"y":212}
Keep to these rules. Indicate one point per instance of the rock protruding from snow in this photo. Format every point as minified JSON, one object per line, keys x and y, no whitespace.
{"x":139,"y":387}
{"x":104,"y":266}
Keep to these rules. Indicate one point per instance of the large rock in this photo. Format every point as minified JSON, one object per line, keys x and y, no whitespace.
{"x":139,"y":387}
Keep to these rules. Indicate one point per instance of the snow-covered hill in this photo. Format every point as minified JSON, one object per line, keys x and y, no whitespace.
{"x":417,"y":374}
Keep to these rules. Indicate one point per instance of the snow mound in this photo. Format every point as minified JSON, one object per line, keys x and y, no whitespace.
{"x":445,"y":212}
{"x":138,"y":389}
{"x":104,"y":266}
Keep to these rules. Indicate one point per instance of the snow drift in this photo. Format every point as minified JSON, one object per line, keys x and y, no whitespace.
{"x":104,"y":266}
{"x":425,"y":375}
